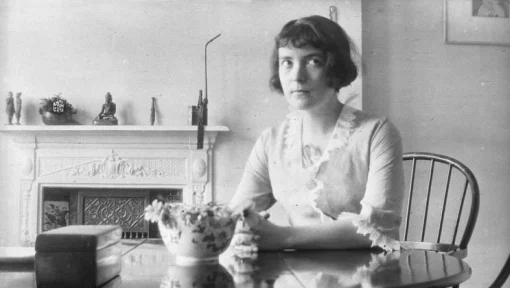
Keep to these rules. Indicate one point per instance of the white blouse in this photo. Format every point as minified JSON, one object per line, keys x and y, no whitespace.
{"x":359,"y":174}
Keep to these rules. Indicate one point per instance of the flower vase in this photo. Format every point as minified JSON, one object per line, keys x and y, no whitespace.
{"x":49,"y":118}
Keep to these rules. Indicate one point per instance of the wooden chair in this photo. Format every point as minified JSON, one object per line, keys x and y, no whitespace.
{"x":503,"y":275}
{"x":434,"y":208}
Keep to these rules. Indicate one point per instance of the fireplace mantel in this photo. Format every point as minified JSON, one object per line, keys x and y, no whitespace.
{"x":110,"y":131}
{"x":131,"y":157}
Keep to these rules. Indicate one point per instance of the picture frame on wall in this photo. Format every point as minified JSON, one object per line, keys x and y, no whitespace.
{"x":55,"y":214}
{"x":482,"y":22}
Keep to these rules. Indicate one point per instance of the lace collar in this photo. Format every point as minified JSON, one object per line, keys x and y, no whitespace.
{"x":293,"y":150}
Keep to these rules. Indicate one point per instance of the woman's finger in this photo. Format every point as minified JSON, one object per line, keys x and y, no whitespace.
{"x":245,"y":239}
{"x":244,"y":249}
{"x":244,"y":256}
{"x":242,"y":227}
{"x":251,"y":217}
{"x":264,"y":214}
{"x":244,"y":266}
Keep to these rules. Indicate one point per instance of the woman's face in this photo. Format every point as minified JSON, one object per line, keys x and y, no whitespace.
{"x":302,"y":73}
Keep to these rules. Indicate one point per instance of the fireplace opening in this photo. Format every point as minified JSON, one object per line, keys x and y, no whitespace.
{"x":62,"y":206}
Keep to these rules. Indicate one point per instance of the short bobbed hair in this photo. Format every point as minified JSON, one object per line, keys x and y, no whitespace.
{"x":323,"y":34}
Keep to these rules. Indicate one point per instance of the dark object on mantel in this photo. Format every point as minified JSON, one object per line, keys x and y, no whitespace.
{"x":153,"y":111}
{"x":9,"y":107}
{"x":17,"y":107}
{"x":202,"y":120}
{"x":78,"y":256}
{"x":49,"y":118}
{"x":107,"y":114}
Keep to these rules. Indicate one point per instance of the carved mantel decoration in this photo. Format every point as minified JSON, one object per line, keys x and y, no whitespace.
{"x":109,"y":156}
{"x":115,"y":167}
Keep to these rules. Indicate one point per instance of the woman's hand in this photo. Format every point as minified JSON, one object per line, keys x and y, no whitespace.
{"x":254,"y":232}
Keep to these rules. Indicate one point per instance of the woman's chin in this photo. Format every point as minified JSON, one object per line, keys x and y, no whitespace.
{"x":301,"y":104}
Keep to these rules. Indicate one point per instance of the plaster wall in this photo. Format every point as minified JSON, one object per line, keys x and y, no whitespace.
{"x":447,"y":99}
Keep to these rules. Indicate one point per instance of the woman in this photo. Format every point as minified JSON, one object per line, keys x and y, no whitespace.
{"x":336,"y":170}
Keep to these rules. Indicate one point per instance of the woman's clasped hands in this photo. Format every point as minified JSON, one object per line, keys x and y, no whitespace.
{"x":254,"y":232}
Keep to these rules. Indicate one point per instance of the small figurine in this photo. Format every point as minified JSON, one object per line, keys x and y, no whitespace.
{"x":9,"y":108}
{"x":106,"y":116}
{"x":17,"y":109}
{"x":153,"y":110}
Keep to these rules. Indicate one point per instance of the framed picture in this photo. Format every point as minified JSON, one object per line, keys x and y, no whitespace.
{"x":55,"y":214}
{"x":485,"y":22}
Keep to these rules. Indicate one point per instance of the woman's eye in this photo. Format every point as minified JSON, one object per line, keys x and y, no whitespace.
{"x":316,"y":61}
{"x":285,"y":63}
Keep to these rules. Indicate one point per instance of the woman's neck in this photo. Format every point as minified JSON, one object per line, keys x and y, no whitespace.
{"x":319,"y":122}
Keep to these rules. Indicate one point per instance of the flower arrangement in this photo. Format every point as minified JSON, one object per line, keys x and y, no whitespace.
{"x":199,"y":232}
{"x":56,"y":105}
{"x":170,"y":213}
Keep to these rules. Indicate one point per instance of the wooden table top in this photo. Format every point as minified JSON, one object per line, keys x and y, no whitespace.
{"x":148,"y":264}
{"x":151,"y":265}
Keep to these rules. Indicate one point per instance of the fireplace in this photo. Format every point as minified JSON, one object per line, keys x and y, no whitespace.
{"x":103,"y":173}
{"x":100,"y":206}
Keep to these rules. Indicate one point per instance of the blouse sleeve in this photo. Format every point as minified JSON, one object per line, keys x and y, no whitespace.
{"x":382,"y":204}
{"x":254,"y":189}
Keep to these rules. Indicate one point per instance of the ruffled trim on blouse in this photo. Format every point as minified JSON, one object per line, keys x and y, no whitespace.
{"x":293,"y":149}
{"x":293,"y":154}
{"x":291,"y":140}
{"x":375,"y":234}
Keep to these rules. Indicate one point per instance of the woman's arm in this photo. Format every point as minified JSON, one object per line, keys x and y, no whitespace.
{"x":254,"y":189}
{"x":338,"y":234}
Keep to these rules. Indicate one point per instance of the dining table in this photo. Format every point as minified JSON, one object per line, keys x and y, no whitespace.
{"x":147,"y":263}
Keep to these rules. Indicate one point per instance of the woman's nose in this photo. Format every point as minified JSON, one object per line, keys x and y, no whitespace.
{"x":299,"y":73}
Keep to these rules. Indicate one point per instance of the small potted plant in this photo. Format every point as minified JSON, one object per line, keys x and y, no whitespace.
{"x":56,"y":110}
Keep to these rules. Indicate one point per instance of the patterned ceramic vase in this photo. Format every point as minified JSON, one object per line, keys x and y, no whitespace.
{"x":197,"y":240}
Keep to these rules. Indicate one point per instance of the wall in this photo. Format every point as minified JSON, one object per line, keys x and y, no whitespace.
{"x":138,"y":49}
{"x":449,"y":99}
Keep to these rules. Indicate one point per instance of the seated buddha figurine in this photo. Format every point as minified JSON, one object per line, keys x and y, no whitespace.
{"x":107,"y":114}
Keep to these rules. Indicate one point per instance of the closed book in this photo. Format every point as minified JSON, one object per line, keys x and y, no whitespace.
{"x":80,"y":238}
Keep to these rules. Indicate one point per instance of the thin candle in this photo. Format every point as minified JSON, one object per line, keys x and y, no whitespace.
{"x":206,"y":44}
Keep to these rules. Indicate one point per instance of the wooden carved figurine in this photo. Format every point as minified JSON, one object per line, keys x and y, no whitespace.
{"x":9,"y":108}
{"x":17,"y":107}
{"x":107,"y":114}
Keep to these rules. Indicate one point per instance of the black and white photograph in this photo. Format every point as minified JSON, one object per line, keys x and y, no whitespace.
{"x":254,"y":143}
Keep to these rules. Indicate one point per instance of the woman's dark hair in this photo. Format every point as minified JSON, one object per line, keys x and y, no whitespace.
{"x":323,"y":34}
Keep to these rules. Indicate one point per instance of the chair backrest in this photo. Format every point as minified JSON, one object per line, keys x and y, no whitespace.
{"x":437,"y":189}
{"x":503,"y":275}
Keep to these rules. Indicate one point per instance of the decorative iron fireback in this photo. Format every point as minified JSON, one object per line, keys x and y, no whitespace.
{"x":126,"y":212}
